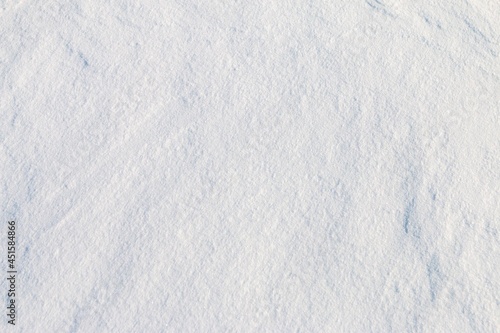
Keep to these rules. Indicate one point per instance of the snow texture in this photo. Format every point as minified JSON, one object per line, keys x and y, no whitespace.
{"x":252,"y":166}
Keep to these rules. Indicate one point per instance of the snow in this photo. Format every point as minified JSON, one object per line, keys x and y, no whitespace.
{"x":252,"y":166}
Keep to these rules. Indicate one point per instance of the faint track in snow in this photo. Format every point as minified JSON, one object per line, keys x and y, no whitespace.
{"x":120,"y":150}
{"x":380,"y":7}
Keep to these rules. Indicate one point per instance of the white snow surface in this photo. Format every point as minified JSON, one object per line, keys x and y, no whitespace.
{"x":251,"y":166}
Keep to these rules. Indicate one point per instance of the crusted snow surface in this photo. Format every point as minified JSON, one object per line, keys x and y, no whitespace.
{"x":252,"y":166}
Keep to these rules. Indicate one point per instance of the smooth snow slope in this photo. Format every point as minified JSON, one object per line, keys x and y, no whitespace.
{"x":252,"y":166}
